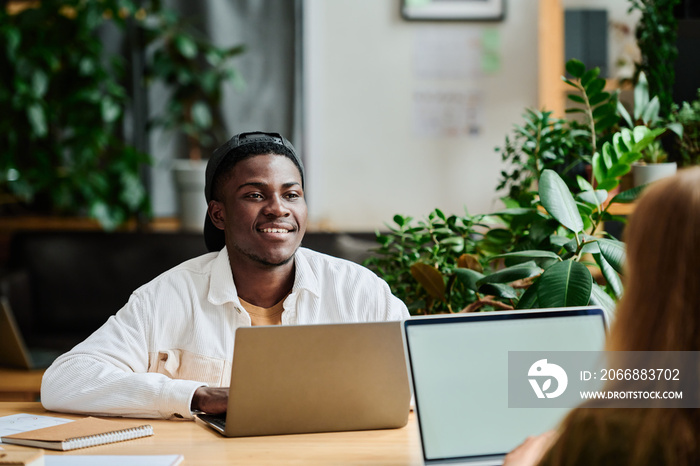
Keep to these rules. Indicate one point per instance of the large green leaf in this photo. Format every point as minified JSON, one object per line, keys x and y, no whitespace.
{"x":515,"y":211}
{"x":610,"y":275}
{"x":644,"y":136}
{"x":596,"y":86}
{"x":619,"y":144}
{"x":590,"y":246}
{"x":540,"y":257}
{"x":641,"y":95}
{"x":468,"y":277}
{"x":575,"y":68}
{"x":510,"y":274}
{"x":557,"y":199}
{"x":430,"y":278}
{"x":609,"y":184}
{"x":589,"y":76}
{"x":565,"y":284}
{"x":614,"y":252}
{"x":624,"y":114}
{"x":609,"y":153}
{"x":628,"y":196}
{"x":596,"y":197}
{"x":535,"y":253}
{"x":650,"y":114}
{"x":576,"y":98}
{"x":677,"y":128}
{"x":455,"y":243}
{"x":499,"y":290}
{"x":529,"y":299}
{"x":598,"y":98}
{"x":601,"y":299}
{"x":599,"y":169}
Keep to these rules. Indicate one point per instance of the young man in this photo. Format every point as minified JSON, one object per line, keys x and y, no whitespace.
{"x":167,"y":352}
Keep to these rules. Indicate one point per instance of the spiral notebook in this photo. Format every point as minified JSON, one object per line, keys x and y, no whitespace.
{"x":87,"y":432}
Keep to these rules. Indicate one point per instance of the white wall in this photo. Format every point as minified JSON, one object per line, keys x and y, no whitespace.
{"x":365,"y":163}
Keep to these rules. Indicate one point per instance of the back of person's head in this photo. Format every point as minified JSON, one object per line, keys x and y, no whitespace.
{"x":659,"y":310}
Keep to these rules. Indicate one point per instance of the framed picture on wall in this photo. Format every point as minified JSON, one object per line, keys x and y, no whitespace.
{"x":453,"y":10}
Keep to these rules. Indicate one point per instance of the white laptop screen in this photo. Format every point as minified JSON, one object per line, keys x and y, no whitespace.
{"x":459,"y":371}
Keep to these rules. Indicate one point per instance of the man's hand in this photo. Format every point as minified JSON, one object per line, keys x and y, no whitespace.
{"x":210,"y":400}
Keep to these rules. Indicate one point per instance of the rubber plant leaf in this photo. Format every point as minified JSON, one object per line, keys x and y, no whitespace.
{"x":565,"y":284}
{"x":430,"y":278}
{"x":558,"y":201}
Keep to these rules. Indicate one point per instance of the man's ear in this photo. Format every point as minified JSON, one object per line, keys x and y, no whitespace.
{"x":216,"y":213}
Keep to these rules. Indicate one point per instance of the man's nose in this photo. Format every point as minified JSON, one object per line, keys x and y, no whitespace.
{"x":276,"y":207}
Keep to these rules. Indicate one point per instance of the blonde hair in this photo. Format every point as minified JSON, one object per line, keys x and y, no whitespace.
{"x":660,"y":311}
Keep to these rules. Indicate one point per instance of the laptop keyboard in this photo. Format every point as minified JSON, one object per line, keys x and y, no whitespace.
{"x":219,"y":420}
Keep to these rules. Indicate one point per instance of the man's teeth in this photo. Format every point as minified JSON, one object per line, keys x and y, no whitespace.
{"x":274,"y":230}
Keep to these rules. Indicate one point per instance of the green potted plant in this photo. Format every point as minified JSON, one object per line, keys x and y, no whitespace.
{"x":566,"y":145}
{"x":653,"y":163}
{"x":548,"y":240}
{"x":194,"y":70}
{"x":62,"y":152}
{"x":423,"y":261}
{"x":688,"y":116}
{"x":542,"y":259}
{"x":657,"y":32}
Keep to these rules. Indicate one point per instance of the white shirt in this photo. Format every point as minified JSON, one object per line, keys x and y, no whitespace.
{"x":176,"y":334}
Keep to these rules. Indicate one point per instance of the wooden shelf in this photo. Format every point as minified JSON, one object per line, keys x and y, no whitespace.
{"x":10,"y":224}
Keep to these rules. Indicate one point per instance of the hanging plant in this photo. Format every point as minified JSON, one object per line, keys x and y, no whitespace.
{"x":60,"y":142}
{"x":657,"y":32}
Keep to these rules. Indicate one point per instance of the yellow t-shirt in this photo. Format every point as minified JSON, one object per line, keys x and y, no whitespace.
{"x":264,"y":316}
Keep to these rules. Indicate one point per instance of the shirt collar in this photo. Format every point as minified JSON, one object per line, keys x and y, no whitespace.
{"x":222,"y":288}
{"x":305,"y":278}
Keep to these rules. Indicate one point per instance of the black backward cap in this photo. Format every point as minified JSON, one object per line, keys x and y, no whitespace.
{"x":213,"y":237}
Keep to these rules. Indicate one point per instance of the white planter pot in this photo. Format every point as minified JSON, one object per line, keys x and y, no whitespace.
{"x":644,"y":174}
{"x":189,"y":182}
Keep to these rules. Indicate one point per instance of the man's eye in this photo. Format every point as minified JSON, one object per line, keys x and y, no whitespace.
{"x":253,"y":196}
{"x":293,"y":196}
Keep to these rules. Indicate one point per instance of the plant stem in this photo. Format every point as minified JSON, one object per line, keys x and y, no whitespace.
{"x":589,"y":115}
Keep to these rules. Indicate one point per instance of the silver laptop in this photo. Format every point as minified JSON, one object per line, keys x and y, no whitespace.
{"x":315,"y":378}
{"x":459,"y":373}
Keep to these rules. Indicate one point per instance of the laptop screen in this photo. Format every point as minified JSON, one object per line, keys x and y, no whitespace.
{"x":459,"y":369}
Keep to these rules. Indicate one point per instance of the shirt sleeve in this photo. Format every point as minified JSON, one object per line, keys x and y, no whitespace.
{"x":107,"y":374}
{"x":395,"y":308}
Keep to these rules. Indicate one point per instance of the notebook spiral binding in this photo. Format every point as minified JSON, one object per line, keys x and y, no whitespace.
{"x":112,"y":437}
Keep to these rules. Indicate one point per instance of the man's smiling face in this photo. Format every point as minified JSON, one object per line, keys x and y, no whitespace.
{"x":262,"y":211}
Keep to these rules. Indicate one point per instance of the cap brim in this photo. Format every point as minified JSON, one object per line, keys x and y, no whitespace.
{"x":214,"y":238}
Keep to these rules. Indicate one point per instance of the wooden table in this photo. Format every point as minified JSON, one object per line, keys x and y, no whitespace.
{"x":200,"y":445}
{"x":20,"y":384}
